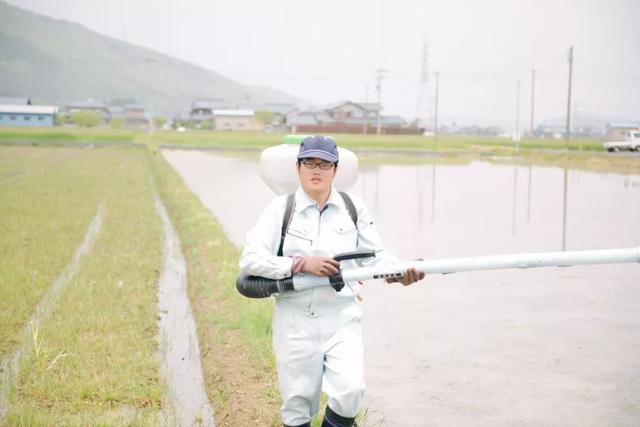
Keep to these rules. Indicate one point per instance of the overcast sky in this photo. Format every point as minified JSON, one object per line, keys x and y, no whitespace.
{"x":327,"y":51}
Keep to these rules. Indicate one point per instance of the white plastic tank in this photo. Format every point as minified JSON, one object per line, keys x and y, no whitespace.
{"x":278,"y":166}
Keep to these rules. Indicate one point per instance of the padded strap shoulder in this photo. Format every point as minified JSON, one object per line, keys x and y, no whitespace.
{"x":350,"y":207}
{"x":286,"y":220}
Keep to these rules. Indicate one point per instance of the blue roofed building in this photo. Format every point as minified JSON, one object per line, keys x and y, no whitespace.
{"x":27,"y":115}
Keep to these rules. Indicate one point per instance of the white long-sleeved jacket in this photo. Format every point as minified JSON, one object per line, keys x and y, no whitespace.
{"x":311,"y":233}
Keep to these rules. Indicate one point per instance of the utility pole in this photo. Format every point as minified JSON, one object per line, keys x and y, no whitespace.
{"x":516,"y":135}
{"x":574,"y":114}
{"x":568,"y":130}
{"x":533,"y":92}
{"x":379,"y":78}
{"x":435,"y":111}
{"x":422,"y":110}
{"x":366,"y":113}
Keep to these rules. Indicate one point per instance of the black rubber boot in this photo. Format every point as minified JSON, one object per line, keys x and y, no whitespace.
{"x":331,"y":419}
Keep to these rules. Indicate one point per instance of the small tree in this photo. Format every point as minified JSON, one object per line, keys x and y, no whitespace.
{"x":265,"y":117}
{"x":86,"y":119}
{"x":158,"y":121}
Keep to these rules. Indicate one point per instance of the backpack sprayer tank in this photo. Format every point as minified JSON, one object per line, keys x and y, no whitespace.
{"x":278,"y":171}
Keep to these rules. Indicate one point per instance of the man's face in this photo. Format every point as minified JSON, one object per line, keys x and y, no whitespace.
{"x":316,"y":175}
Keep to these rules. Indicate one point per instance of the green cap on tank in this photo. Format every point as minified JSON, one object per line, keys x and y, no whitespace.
{"x":294,"y":139}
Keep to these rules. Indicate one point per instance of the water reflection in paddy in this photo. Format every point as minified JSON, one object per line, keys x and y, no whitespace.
{"x":536,"y":347}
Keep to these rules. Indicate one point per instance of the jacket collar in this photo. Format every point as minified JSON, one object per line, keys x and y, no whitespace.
{"x":303,"y":201}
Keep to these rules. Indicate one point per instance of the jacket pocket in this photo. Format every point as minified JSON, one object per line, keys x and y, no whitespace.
{"x":299,"y":234}
{"x":346,"y":227}
{"x":346,"y":236}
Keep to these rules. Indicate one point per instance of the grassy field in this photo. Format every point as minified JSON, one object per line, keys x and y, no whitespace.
{"x":39,"y":233}
{"x":93,"y":362}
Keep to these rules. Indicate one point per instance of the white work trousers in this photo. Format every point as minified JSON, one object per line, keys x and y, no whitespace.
{"x":314,"y":352}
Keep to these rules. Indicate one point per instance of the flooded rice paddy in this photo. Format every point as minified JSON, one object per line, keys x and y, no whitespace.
{"x":551,"y":346}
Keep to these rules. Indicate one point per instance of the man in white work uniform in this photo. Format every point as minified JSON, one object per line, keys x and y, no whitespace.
{"x":317,"y":336}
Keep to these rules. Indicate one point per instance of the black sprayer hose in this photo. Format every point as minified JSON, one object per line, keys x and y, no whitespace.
{"x":259,"y":287}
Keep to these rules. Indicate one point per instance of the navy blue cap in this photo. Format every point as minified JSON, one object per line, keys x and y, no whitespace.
{"x":320,"y":147}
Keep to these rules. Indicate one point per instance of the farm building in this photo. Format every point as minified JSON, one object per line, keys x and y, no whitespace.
{"x":620,"y":131}
{"x":27,"y":115}
{"x":348,"y":117}
{"x":235,"y":120}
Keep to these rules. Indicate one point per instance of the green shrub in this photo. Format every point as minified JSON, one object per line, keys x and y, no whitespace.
{"x":86,"y":119}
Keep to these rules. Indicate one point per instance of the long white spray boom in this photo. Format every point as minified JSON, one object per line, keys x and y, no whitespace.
{"x":455,"y":265}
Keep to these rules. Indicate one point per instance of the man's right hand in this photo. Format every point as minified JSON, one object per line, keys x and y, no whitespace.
{"x":320,"y":266}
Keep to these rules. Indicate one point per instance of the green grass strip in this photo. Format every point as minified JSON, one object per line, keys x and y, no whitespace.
{"x":67,"y":134}
{"x":372,"y":142}
{"x":48,"y":198}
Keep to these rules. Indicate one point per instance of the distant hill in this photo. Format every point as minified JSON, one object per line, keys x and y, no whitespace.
{"x":58,"y":62}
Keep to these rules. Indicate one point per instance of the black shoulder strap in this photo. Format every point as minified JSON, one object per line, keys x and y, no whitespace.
{"x":350,"y":207}
{"x":286,"y":220}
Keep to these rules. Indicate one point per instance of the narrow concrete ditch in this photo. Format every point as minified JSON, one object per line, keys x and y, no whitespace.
{"x":10,"y":364}
{"x":186,"y":400}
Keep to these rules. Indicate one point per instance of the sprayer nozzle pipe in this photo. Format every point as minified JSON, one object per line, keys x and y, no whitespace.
{"x":523,"y":260}
{"x":258,"y":287}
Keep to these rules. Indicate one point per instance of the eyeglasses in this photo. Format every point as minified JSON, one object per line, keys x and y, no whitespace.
{"x":310,"y":164}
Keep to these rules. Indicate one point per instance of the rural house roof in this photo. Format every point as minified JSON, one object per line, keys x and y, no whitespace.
{"x":233,"y":113}
{"x":279,"y":107}
{"x":369,"y":106}
{"x":115,"y":110}
{"x":207,"y":104}
{"x":28,"y":109}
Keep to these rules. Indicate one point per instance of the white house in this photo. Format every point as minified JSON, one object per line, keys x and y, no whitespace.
{"x":235,"y":120}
